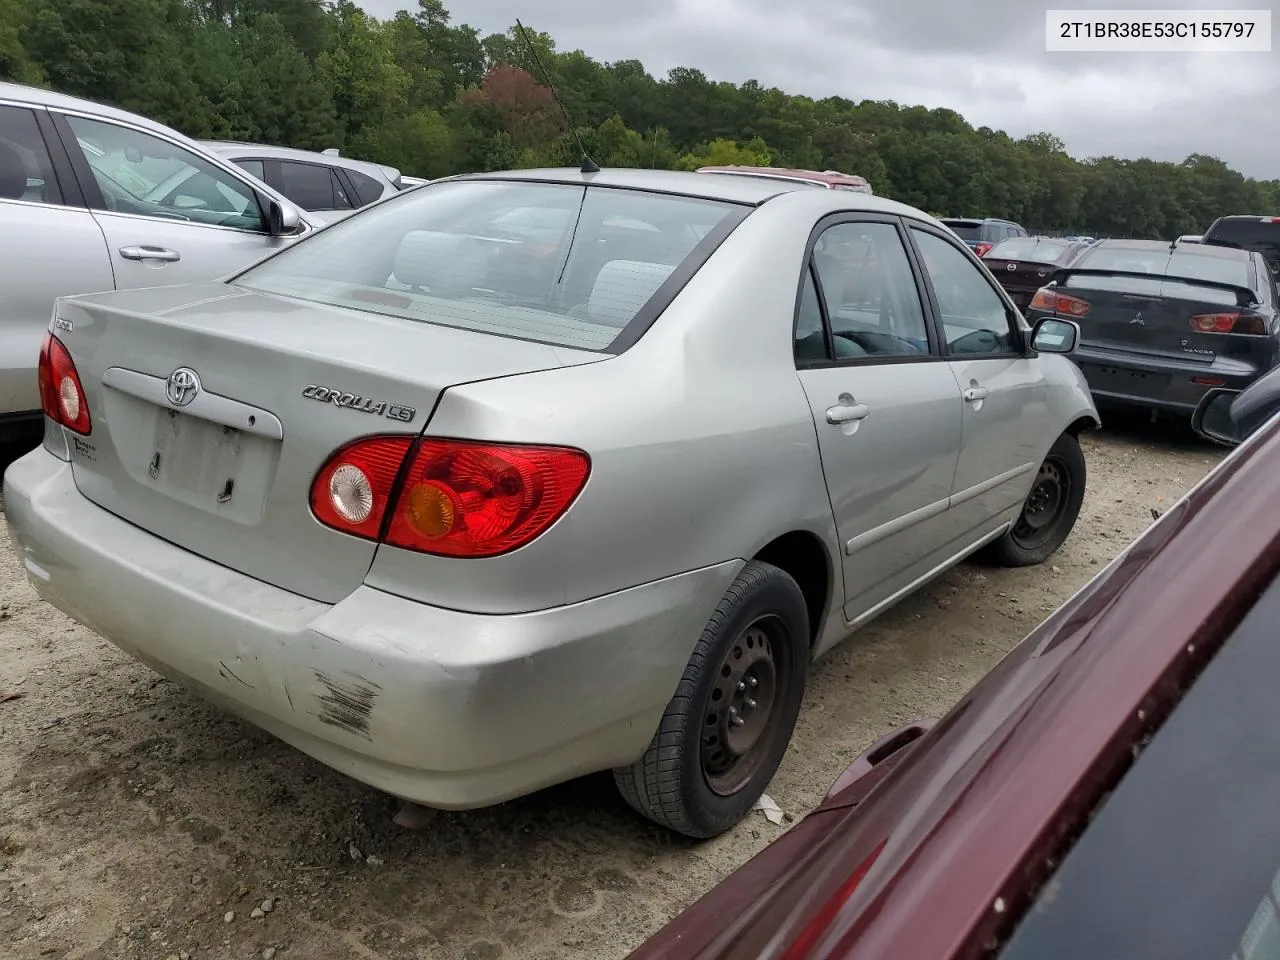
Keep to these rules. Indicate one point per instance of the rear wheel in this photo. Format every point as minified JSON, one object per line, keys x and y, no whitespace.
{"x":727,"y":727}
{"x":1050,"y":510}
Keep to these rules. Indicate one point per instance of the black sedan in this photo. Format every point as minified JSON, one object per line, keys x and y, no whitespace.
{"x":1022,"y":265}
{"x":1161,"y":324}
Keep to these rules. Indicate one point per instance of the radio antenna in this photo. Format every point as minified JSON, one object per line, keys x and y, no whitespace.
{"x":588,"y":165}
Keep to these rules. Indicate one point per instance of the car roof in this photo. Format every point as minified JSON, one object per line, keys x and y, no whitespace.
{"x":49,"y":98}
{"x":744,"y":190}
{"x":828,"y":177}
{"x":242,"y":148}
{"x":978,"y":221}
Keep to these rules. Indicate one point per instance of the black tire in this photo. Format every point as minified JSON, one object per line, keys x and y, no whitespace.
{"x":1050,"y":510}
{"x":679,"y":782}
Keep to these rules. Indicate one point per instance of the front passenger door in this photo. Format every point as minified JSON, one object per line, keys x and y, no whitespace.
{"x":1005,"y":393}
{"x":168,"y":214}
{"x":885,"y":405}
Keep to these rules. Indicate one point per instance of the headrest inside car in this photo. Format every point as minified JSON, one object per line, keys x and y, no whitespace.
{"x":622,"y":287}
{"x":446,"y":264}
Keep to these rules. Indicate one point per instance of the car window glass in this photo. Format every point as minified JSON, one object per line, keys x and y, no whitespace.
{"x":870,"y":294}
{"x":341,"y":195}
{"x":309,"y":185}
{"x":558,"y":264}
{"x":810,"y":337}
{"x":1179,"y":861}
{"x":965,"y":229}
{"x":142,"y":174}
{"x":1252,"y":233}
{"x":974,"y":318}
{"x":1024,"y":248}
{"x":1199,"y":266}
{"x":252,"y":167}
{"x":367,"y":188}
{"x":26,"y":172}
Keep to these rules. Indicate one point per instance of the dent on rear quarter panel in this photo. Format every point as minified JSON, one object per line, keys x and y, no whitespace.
{"x":701,"y":441}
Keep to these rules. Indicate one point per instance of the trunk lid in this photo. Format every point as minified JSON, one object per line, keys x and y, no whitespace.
{"x":1152,"y":315}
{"x":282,"y":384}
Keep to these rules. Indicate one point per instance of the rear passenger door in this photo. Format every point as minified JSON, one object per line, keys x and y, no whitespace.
{"x":1005,"y":394}
{"x":50,"y":246}
{"x":884,"y":402}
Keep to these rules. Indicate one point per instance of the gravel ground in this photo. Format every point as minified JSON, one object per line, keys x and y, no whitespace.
{"x":136,"y":822}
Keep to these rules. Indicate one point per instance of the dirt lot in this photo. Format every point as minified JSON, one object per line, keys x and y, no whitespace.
{"x":135,"y":822}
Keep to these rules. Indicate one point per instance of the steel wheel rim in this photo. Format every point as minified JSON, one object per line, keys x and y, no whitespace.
{"x":1045,"y":504}
{"x":737,"y":722}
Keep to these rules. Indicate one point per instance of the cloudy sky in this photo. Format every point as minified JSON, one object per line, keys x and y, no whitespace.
{"x":983,"y":58}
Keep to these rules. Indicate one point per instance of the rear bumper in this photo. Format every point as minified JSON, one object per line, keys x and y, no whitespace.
{"x":1131,"y":379}
{"x":445,"y":708}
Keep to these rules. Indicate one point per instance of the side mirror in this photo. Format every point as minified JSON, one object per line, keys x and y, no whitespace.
{"x":1054,"y":335}
{"x":1213,"y":421}
{"x":283,"y":218}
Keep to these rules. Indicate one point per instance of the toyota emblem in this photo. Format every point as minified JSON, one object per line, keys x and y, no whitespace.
{"x":182,"y":386}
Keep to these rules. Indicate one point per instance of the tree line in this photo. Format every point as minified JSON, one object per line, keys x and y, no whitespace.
{"x":433,"y":97}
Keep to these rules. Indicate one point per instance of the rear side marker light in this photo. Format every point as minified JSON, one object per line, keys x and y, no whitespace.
{"x":456,"y":498}
{"x":61,"y":393}
{"x":1048,"y":299}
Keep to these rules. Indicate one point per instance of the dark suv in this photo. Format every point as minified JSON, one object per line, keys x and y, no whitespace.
{"x":982,"y":235}
{"x":1247,"y":233}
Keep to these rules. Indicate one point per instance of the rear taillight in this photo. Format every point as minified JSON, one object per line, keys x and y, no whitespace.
{"x":462,"y":498}
{"x":1229,"y":321}
{"x":61,"y":394}
{"x":1047,"y":298}
{"x":354,"y":490}
{"x":803,"y":944}
{"x":982,"y":249}
{"x":454,"y":498}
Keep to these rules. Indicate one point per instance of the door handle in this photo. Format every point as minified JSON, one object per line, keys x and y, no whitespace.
{"x":846,"y":412}
{"x":144,"y":252}
{"x":975,"y":393}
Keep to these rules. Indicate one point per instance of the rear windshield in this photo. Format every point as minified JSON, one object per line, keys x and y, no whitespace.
{"x":1248,"y":234}
{"x":561,"y":264}
{"x":1034,"y":251}
{"x":1185,"y":263}
{"x":965,"y":229}
{"x":1182,"y":859}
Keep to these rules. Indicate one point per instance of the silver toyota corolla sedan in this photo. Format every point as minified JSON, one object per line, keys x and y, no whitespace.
{"x":520,"y":476}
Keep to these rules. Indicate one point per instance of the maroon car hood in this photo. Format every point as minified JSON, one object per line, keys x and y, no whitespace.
{"x":964,"y":823}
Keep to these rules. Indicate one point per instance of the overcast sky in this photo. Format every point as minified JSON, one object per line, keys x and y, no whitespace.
{"x":982,"y":58}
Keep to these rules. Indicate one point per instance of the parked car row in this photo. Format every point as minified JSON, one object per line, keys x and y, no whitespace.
{"x":94,"y":198}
